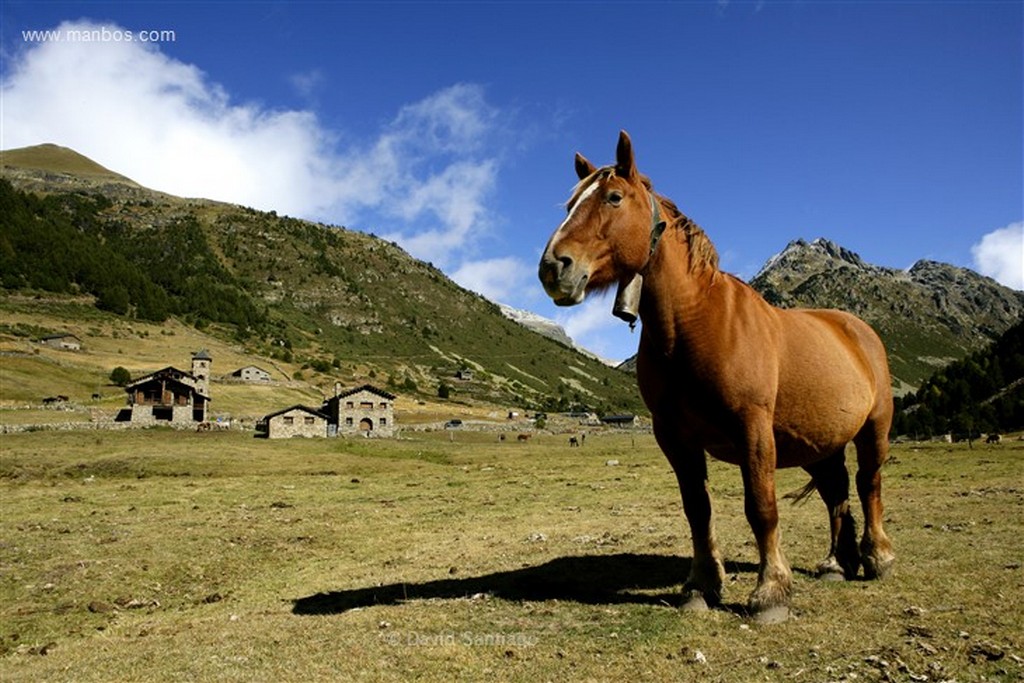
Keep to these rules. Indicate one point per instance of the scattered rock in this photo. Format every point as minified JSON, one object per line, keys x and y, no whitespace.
{"x":611,"y":463}
{"x":100,"y":607}
{"x":919,"y":631}
{"x":280,"y":505}
{"x":986,"y":651}
{"x":136,"y":603}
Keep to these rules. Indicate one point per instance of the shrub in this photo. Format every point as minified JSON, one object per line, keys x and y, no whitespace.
{"x":120,"y":376}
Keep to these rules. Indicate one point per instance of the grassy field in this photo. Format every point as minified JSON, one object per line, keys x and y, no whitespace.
{"x":157,"y":556}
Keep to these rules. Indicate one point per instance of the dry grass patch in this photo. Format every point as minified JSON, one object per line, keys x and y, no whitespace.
{"x":155,"y":555}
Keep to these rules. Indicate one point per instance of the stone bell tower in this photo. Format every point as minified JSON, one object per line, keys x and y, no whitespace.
{"x":201,"y":362}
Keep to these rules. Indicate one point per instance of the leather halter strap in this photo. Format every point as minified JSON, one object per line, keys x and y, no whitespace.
{"x":627,"y":298}
{"x":657,"y":224}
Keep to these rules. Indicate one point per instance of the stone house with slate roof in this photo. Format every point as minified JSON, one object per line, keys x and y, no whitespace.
{"x":297,"y":420}
{"x":171,"y":396}
{"x":64,"y":342}
{"x":251,"y":373}
{"x":366,"y":411}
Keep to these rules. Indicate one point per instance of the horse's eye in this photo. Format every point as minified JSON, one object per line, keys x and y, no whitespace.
{"x":614,"y":197}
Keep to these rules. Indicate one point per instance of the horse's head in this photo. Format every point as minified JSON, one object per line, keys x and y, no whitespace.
{"x":606,"y":238}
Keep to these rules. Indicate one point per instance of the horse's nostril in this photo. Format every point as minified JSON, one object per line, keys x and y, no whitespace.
{"x":565,"y":262}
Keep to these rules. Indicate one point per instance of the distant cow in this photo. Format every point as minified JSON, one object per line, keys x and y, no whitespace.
{"x":522,"y":438}
{"x":993,"y":438}
{"x":573,"y":442}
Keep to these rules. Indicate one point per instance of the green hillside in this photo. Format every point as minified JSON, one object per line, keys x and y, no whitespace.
{"x":980,"y":394}
{"x":331,"y":301}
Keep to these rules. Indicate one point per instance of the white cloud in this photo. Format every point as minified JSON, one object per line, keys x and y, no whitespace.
{"x":425,"y":179}
{"x":1000,"y":255}
{"x":160,"y":122}
{"x":498,"y":279}
{"x":592,"y":326}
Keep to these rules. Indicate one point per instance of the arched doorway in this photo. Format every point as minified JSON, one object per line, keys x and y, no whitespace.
{"x":366,"y":425}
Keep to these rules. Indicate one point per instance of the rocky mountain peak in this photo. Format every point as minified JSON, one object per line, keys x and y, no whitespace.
{"x":927,"y":315}
{"x":802,"y":256}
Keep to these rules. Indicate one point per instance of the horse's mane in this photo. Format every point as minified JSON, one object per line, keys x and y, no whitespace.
{"x":703,"y":254}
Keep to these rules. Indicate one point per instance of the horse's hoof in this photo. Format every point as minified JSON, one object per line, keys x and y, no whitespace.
{"x":875,"y":568}
{"x":772,"y":615}
{"x":694,"y":602}
{"x":830,"y":570}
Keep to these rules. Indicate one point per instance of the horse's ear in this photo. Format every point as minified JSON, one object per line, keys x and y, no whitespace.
{"x":625,"y":165}
{"x":583,"y":167}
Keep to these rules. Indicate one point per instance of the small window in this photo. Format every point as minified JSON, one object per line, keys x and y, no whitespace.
{"x":383,"y":421}
{"x":309,"y":420}
{"x":289,"y":420}
{"x":348,"y":422}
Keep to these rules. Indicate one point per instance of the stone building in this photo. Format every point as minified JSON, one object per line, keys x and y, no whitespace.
{"x":64,"y":342}
{"x":170,"y":395}
{"x":620,"y":420}
{"x":366,"y":411}
{"x":251,"y":373}
{"x":297,"y":420}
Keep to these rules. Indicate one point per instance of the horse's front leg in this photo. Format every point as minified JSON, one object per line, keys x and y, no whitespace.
{"x":703,"y":587}
{"x":770,"y":599}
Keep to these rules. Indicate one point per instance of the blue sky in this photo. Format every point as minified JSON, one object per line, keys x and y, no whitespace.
{"x":892,"y":128}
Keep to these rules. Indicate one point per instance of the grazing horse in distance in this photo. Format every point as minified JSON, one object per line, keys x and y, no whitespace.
{"x":724,"y":372}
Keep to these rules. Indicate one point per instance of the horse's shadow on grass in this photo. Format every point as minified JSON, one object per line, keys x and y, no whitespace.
{"x":624,"y":578}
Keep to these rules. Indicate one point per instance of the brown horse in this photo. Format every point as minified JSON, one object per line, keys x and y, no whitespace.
{"x":723,"y":371}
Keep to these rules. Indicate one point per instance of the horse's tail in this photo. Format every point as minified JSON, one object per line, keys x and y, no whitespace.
{"x":801,"y":494}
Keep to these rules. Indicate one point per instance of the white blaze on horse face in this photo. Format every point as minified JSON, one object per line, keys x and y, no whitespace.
{"x":572,"y":211}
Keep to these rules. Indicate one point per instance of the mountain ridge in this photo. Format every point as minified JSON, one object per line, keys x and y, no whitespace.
{"x":927,"y":315}
{"x":336,"y":301}
{"x":328,"y":294}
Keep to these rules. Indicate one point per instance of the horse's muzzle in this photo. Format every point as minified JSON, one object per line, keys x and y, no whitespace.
{"x":563,"y":280}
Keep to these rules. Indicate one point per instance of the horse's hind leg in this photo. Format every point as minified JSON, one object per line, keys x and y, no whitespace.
{"x":873,"y":450}
{"x":833,"y":483}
